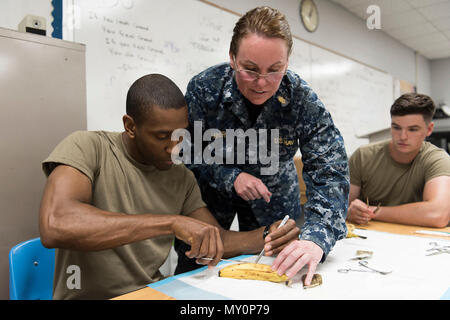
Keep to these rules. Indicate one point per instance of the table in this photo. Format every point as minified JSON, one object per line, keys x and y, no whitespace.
{"x":148,"y":293}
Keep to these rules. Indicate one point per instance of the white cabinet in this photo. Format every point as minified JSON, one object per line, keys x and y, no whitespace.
{"x":42,"y":100}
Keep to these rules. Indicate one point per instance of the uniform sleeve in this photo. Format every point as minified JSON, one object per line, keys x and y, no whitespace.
{"x":193,"y":199}
{"x":78,"y":150}
{"x":355,"y":168}
{"x":325,"y":172}
{"x":437,"y":165}
{"x":220,"y":177}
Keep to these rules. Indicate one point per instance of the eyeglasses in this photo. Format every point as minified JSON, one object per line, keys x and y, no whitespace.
{"x":249,"y":75}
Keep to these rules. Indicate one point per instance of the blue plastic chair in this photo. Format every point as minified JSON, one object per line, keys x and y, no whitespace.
{"x":31,"y":268}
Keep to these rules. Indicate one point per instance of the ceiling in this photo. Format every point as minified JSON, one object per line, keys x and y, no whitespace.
{"x":422,"y":25}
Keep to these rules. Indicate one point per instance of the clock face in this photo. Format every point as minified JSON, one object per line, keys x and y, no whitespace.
{"x":309,"y":15}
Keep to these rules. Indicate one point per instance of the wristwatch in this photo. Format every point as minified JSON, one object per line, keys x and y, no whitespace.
{"x":266,"y":231}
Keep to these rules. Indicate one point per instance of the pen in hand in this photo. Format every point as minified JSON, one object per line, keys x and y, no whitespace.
{"x":283,"y":222}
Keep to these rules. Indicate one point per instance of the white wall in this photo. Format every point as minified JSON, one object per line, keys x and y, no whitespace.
{"x":424,"y":83}
{"x":440,"y":80}
{"x":343,"y":32}
{"x":339,"y":30}
{"x":13,"y":11}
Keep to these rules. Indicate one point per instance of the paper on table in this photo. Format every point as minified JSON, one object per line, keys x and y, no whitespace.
{"x":405,"y":255}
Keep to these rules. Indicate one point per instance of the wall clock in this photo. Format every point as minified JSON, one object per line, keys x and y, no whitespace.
{"x":309,"y":15}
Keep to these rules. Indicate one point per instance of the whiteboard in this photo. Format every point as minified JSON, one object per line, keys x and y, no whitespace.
{"x":358,"y":97}
{"x":126,"y":39}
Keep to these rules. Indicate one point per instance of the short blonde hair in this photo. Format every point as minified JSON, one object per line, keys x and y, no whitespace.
{"x":263,"y":21}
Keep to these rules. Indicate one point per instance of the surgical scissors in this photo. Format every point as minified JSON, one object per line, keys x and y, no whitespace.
{"x":438,"y":249}
{"x":364,"y":264}
{"x":347,"y":270}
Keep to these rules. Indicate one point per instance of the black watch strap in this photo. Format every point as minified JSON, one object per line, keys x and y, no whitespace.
{"x":266,"y":231}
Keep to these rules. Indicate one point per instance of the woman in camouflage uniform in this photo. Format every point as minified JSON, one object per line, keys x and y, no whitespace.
{"x":255,"y":90}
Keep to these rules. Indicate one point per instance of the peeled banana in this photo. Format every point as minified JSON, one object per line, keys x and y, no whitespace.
{"x":252,"y":271}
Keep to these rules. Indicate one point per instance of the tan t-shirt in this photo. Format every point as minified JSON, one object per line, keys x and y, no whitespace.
{"x":390,"y":183}
{"x":119,"y":184}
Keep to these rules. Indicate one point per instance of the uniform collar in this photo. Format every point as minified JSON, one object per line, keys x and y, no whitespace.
{"x":231,"y":92}
{"x":234,"y":98}
{"x":285,"y":92}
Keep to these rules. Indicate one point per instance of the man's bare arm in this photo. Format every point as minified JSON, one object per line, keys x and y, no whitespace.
{"x":433,"y":211}
{"x":358,"y":211}
{"x":354,"y":193}
{"x":250,"y":242}
{"x":68,"y":220}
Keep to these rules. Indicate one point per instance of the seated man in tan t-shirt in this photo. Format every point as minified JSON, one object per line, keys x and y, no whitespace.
{"x":114,"y":202}
{"x":407,"y":177}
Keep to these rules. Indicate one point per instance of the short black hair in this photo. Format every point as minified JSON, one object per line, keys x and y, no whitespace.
{"x":152,"y":90}
{"x":414,"y":103}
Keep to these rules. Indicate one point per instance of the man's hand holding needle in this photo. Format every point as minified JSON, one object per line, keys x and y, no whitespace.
{"x":360,"y":212}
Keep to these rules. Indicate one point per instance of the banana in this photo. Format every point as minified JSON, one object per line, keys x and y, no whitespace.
{"x":252,"y":271}
{"x":316,"y":281}
{"x":350,"y":233}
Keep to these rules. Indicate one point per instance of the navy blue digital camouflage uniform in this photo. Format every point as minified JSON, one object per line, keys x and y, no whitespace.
{"x":303,"y":122}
